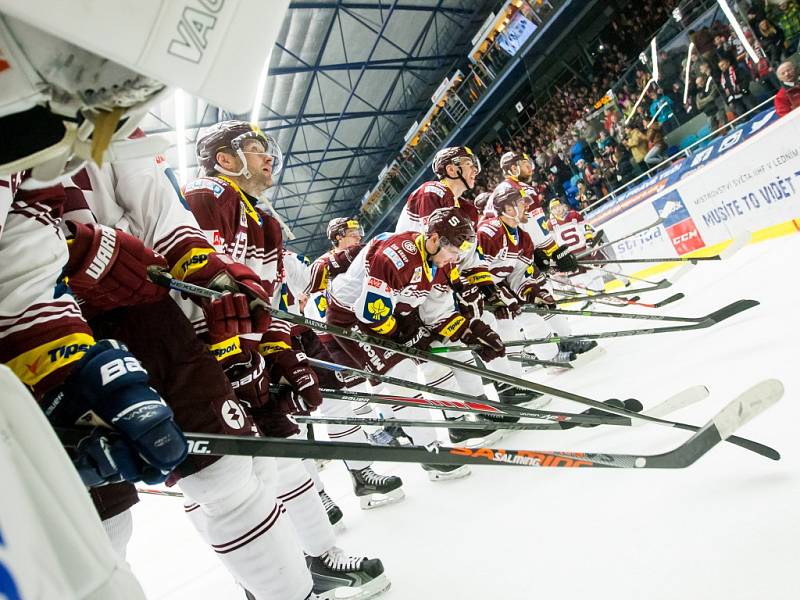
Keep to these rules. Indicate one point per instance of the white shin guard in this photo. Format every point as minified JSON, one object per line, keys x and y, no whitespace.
{"x":119,"y":530}
{"x":303,"y":506}
{"x":236,"y":512}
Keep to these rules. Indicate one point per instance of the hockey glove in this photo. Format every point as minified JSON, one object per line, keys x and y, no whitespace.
{"x":293,"y":367}
{"x":104,"y":457}
{"x":109,"y":383}
{"x":565,"y":260}
{"x":244,"y":311}
{"x":471,"y":301}
{"x":541,"y":260}
{"x":506,"y":303}
{"x":107,"y":267}
{"x":412,"y":332}
{"x":480,"y":333}
{"x":247,"y":374}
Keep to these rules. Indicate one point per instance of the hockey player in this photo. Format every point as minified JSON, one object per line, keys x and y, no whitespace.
{"x":398,"y":287}
{"x":508,"y":250}
{"x":345,"y":235}
{"x":518,"y":170}
{"x":238,"y":160}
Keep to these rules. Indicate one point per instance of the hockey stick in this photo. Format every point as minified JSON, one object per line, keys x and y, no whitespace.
{"x":664,"y":283}
{"x":590,"y":313}
{"x":593,"y":261}
{"x":709,"y":320}
{"x":621,"y":276}
{"x":746,"y":406}
{"x":676,"y":402}
{"x":538,"y":362}
{"x":486,"y":407}
{"x":474,"y":403}
{"x":656,"y":223}
{"x":618,"y":297}
{"x":163,"y":278}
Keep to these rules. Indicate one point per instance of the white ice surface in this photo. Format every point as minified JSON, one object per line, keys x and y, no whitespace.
{"x":726,"y":528}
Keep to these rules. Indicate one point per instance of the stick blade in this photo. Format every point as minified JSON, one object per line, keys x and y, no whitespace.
{"x":734,"y":308}
{"x":670,"y":300}
{"x":739,"y":242}
{"x":675,"y":403}
{"x":747,"y":405}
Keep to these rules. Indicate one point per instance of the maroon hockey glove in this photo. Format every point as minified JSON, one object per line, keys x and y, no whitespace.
{"x":480,"y":333}
{"x":245,"y":310}
{"x":412,"y":332}
{"x":506,"y":303}
{"x":470,"y":300}
{"x":248,"y":376}
{"x":295,"y":369}
{"x":535,"y":292}
{"x":107,"y":267}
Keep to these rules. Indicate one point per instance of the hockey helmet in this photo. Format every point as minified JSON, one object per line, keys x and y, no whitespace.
{"x":453,"y":227}
{"x":505,"y":197}
{"x":481,"y":201}
{"x":231,"y":135}
{"x":509,"y":162}
{"x":453,"y":155}
{"x":339,"y":227}
{"x":557,"y":207}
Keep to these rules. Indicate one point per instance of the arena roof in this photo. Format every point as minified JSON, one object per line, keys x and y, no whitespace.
{"x":346,"y":80}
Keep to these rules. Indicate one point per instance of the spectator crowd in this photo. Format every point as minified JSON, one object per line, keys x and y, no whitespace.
{"x":582,"y":153}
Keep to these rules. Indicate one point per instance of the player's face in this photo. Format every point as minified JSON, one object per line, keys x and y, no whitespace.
{"x":522,"y":211}
{"x":259,"y":163}
{"x":350,"y":239}
{"x":525,"y":169}
{"x":469,"y":172}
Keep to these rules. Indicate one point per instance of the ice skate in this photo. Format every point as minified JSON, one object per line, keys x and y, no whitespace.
{"x":331,"y":508}
{"x":446,"y":472}
{"x":474,"y":438}
{"x":338,"y":576}
{"x":374,"y":490}
{"x":390,"y":435}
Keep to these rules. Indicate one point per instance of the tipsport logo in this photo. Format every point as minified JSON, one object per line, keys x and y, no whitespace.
{"x":678,"y":223}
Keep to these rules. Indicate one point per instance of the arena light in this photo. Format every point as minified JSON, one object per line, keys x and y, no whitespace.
{"x":180,"y":134}
{"x":262,"y":82}
{"x":723,"y":4}
{"x":688,"y":72}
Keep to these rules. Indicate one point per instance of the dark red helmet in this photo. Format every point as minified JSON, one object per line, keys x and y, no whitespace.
{"x":453,"y":227}
{"x":339,"y":227}
{"x":453,"y":155}
{"x":481,"y":200}
{"x":231,"y":135}
{"x":511,"y":159}
{"x":506,"y":196}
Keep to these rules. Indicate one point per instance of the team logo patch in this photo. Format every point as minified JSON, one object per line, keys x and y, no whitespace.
{"x":434,"y":189}
{"x":322,"y":304}
{"x":377,"y":308}
{"x":233,"y":415}
{"x":205,"y":184}
{"x":409,"y":247}
{"x":417,"y":276}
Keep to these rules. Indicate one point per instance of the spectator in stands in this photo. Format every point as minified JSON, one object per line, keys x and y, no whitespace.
{"x":636,"y":141}
{"x":735,"y":86}
{"x":579,"y":149}
{"x":707,"y":100}
{"x":657,"y":146}
{"x":786,"y":14}
{"x":773,"y":40}
{"x":660,"y":108}
{"x":788,"y":97}
{"x":605,"y":144}
{"x":704,"y":42}
{"x":669,"y":68}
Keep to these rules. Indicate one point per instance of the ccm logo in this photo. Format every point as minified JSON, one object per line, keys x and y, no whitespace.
{"x":684,"y":237}
{"x":198,"y":447}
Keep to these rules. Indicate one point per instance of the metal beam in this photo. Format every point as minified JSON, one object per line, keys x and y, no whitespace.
{"x":373,"y":65}
{"x":307,"y":5}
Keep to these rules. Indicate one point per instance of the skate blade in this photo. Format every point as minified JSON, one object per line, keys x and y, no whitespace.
{"x":459,"y":473}
{"x":371,"y":501}
{"x":371,"y":589}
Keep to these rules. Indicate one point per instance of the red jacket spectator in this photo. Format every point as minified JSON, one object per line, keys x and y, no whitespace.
{"x":787,"y":99}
